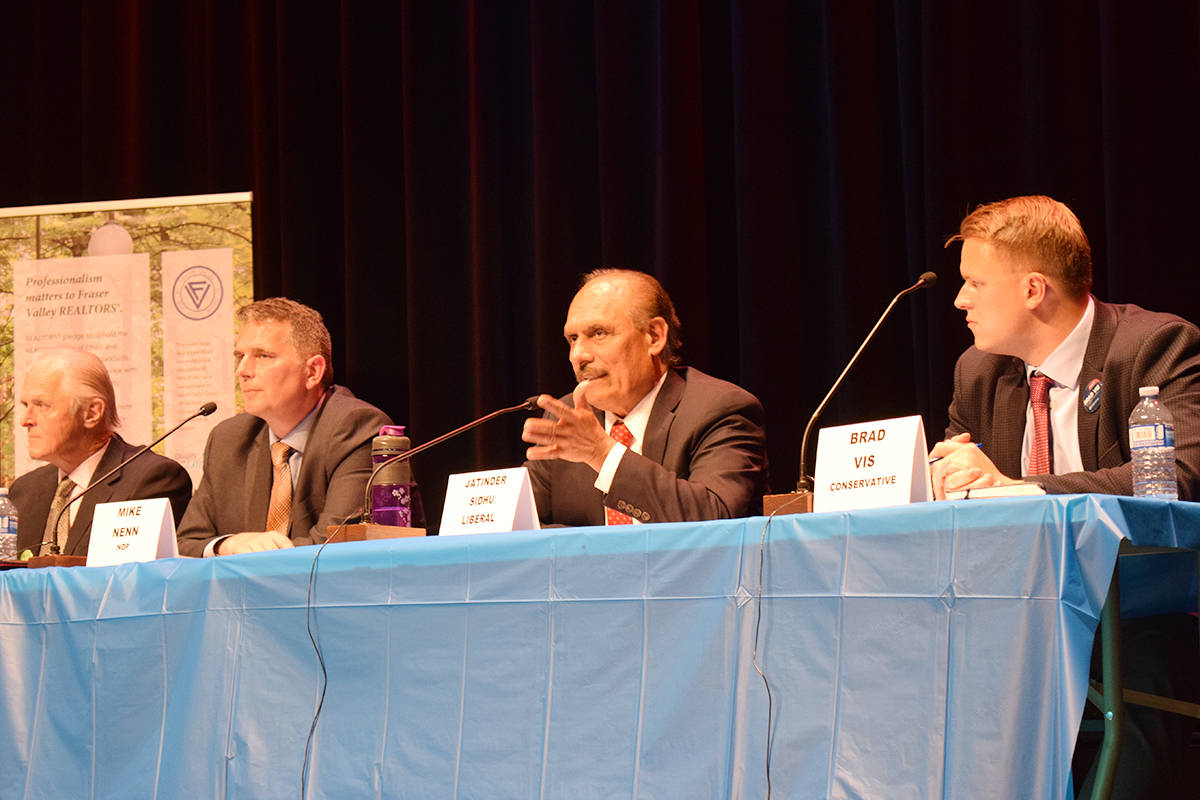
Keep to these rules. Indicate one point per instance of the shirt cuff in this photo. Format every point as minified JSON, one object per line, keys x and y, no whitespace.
{"x":210,"y":549}
{"x":608,"y":469}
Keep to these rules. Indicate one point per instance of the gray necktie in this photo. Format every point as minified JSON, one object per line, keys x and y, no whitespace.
{"x":65,"y":487}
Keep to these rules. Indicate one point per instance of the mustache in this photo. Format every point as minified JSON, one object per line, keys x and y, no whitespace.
{"x":586,"y":374}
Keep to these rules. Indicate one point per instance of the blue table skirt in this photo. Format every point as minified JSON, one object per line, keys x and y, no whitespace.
{"x":926,"y":651}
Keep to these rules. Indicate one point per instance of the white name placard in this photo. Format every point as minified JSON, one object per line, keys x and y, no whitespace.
{"x":489,"y":502}
{"x":872,"y":464}
{"x":132,"y":530}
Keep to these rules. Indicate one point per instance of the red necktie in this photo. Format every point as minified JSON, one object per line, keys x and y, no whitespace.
{"x":622,"y":435}
{"x":1041,"y":460}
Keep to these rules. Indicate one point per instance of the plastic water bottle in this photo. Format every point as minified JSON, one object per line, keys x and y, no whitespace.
{"x":392,"y":489}
{"x":1152,"y":444}
{"x":8,"y":527}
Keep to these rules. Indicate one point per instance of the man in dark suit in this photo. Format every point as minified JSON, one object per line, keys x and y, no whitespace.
{"x":640,"y":440}
{"x":1027,"y":272}
{"x":298,"y":459}
{"x":70,"y":415}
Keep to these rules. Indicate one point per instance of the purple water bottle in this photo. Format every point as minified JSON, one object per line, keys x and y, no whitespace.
{"x":391,"y":490}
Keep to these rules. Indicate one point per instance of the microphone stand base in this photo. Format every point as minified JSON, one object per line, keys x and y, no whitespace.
{"x":800,"y":502}
{"x":364,"y":531}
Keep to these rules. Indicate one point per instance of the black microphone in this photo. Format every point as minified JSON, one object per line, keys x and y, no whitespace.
{"x":204,"y":411}
{"x":927,"y":279}
{"x":530,"y":404}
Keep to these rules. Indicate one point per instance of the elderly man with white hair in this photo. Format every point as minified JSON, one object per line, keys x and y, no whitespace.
{"x":69,"y":412}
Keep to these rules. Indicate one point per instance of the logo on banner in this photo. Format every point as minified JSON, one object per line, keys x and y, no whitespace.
{"x":197,"y":293}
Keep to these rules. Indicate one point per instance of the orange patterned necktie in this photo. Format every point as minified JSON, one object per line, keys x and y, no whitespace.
{"x":279,"y":513}
{"x":621,"y":434}
{"x":1041,"y":460}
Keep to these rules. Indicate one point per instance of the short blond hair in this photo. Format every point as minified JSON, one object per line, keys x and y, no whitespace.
{"x":1041,"y":233}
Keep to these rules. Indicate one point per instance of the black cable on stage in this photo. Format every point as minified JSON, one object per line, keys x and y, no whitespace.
{"x":530,"y":404}
{"x":757,"y":624}
{"x":313,"y":637}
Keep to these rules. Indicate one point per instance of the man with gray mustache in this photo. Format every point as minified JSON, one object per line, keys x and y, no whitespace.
{"x":641,"y":439}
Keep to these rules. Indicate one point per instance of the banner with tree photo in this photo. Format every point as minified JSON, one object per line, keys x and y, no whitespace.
{"x":147,"y":285}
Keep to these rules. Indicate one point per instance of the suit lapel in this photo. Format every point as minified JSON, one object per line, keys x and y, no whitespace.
{"x":258,"y":473}
{"x":318,"y":441}
{"x":1104,"y":327}
{"x":37,"y":517}
{"x":1012,"y":398}
{"x":658,"y":428}
{"x":80,"y":534}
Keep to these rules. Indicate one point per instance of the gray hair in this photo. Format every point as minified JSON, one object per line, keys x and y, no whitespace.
{"x":85,"y":378}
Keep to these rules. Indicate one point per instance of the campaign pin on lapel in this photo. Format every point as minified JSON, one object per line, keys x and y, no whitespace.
{"x":1091,"y":395}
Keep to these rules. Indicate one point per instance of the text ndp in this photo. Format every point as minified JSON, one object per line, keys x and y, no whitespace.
{"x":481,"y":505}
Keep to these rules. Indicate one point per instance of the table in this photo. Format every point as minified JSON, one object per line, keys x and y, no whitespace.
{"x":933,"y":650}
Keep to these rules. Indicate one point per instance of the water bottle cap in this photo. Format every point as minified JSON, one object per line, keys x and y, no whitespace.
{"x":1148,"y":391}
{"x":391,"y":430}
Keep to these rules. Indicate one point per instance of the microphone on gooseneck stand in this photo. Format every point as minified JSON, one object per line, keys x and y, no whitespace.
{"x":804,"y":485}
{"x":203,"y":411}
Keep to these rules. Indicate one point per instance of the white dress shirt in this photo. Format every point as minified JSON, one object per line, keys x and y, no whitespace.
{"x":1062,"y":367}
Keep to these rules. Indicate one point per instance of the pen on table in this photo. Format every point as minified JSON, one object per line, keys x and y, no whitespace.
{"x":939,"y":458}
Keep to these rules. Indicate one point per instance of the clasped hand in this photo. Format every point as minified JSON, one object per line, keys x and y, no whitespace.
{"x":960,"y":465}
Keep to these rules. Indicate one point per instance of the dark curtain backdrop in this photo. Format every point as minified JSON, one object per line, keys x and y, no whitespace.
{"x":435,"y":176}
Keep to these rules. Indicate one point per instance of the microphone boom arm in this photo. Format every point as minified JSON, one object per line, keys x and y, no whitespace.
{"x":805,"y":482}
{"x":530,"y":404}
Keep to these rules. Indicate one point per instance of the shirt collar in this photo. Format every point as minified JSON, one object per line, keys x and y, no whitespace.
{"x":639,"y":416}
{"x":81,"y":476}
{"x":1064,"y":364}
{"x":297,"y":437}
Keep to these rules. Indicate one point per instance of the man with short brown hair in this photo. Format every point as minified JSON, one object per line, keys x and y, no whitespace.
{"x":298,"y":459}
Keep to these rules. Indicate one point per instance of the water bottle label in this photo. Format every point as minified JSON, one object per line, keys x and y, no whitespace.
{"x":1156,"y":435}
{"x":391,"y":504}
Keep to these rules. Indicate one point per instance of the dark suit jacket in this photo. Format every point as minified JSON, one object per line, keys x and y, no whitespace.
{"x":236,"y":487}
{"x":704,"y":458}
{"x":150,"y":476}
{"x":1129,"y":347}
